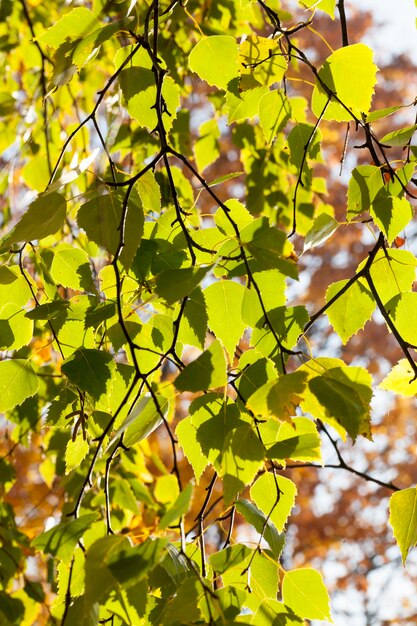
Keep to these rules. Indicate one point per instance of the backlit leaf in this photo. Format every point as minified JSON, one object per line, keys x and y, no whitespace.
{"x":304,"y":592}
{"x":274,"y":113}
{"x":45,"y":216}
{"x":275,"y":496}
{"x":224,"y":303}
{"x":208,"y":371}
{"x":403,"y":519}
{"x":352,"y":309}
{"x":61,"y":540}
{"x":401,"y":380}
{"x":18,"y":381}
{"x":350,"y":74}
{"x":215,"y":60}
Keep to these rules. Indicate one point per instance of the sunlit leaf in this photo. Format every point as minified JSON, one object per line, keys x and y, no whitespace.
{"x":18,"y":381}
{"x":403,"y":519}
{"x":61,"y":540}
{"x":350,"y":74}
{"x":304,"y":592}
{"x":215,"y":60}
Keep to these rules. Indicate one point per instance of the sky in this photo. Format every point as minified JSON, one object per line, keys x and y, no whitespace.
{"x":397,"y":31}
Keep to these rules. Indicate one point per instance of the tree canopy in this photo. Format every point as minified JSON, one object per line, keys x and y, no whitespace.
{"x":204,"y":206}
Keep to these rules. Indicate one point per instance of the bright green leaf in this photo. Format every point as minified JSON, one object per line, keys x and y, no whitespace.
{"x":18,"y":381}
{"x":391,"y":215}
{"x":403,"y":519}
{"x":262,"y":524}
{"x":179,"y":508}
{"x":224,"y":302}
{"x":323,"y":227}
{"x":45,"y":216}
{"x":304,"y":592}
{"x":208,"y":371}
{"x":61,"y":540}
{"x":403,"y":311}
{"x":243,"y":456}
{"x":89,"y":370}
{"x":174,"y":285}
{"x":75,"y":452}
{"x":274,"y":113}
{"x":279,"y":397}
{"x":215,"y":60}
{"x":275,"y":497}
{"x":401,"y":380}
{"x":70,"y":267}
{"x":350,"y":74}
{"x":352,"y":309}
{"x":74,"y":25}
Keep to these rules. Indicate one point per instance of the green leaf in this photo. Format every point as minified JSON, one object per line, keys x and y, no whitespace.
{"x":403,"y":519}
{"x":12,"y":609}
{"x":364,"y":185}
{"x":208,"y":371}
{"x":272,"y":286}
{"x":322,"y":228}
{"x":140,"y":93}
{"x":350,"y":73}
{"x":262,"y":524}
{"x":399,"y":137}
{"x":343,"y":402}
{"x":16,"y":330}
{"x":215,"y":60}
{"x":149,"y":192}
{"x":74,"y":25}
{"x":269,"y":246}
{"x":243,"y":105}
{"x":276,"y":613}
{"x":142,"y":419}
{"x":70,"y":267}
{"x":187,"y":438}
{"x":297,"y":440}
{"x":401,"y":380}
{"x":82,"y":612}
{"x":391,"y":215}
{"x":174,"y":285}
{"x":392,"y":273}
{"x":243,"y":456}
{"x":255,"y":372}
{"x":224,"y":302}
{"x":179,"y":508}
{"x":131,"y":564}
{"x":352,"y":309}
{"x":262,"y":62}
{"x":75,"y":452}
{"x":211,"y":420}
{"x":304,"y":140}
{"x":193,"y":326}
{"x":100,"y":217}
{"x":402,"y":310}
{"x":275,"y":497}
{"x":99,"y":580}
{"x":338,"y":394}
{"x":279,"y":397}
{"x":14,"y":288}
{"x":304,"y":592}
{"x":45,"y":216}
{"x":274,"y":113}
{"x":61,"y":540}
{"x":89,"y":370}
{"x":206,"y":148}
{"x":328,"y":6}
{"x":184,"y":606}
{"x":18,"y":381}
